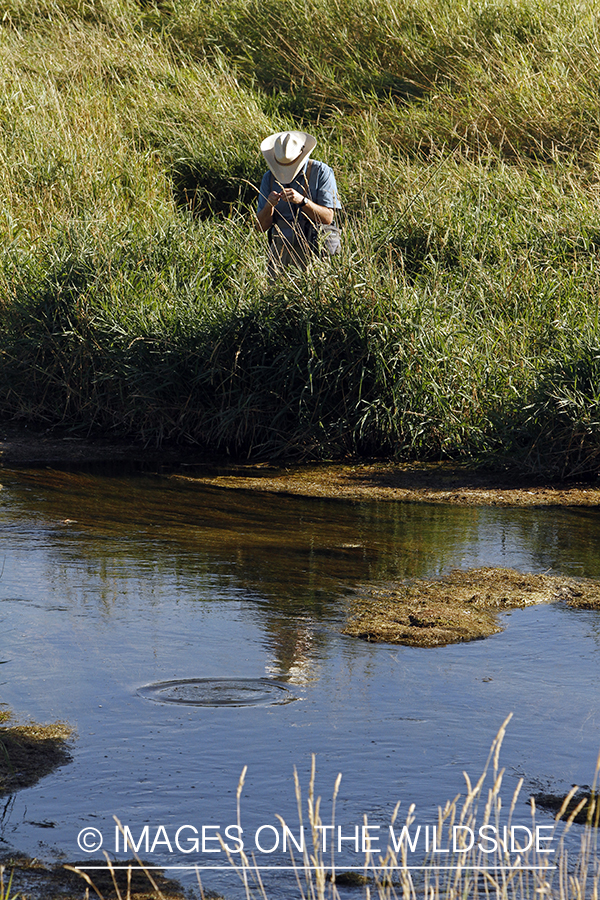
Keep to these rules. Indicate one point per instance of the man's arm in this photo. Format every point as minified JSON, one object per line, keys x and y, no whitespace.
{"x":320,"y":215}
{"x":264,"y":219}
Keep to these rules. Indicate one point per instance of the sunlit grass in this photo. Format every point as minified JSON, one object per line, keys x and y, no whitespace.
{"x":461,"y":318}
{"x":503,"y":872}
{"x":6,"y":886}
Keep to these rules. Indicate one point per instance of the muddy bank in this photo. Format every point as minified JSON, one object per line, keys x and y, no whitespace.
{"x":580,"y":805}
{"x":381,"y":480}
{"x":407,"y":482}
{"x":463,"y":606}
{"x":28,"y":753}
{"x":36,"y":881}
{"x":31,"y":751}
{"x":21,"y":445}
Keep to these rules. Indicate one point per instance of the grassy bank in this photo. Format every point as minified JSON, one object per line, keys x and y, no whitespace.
{"x":461,"y":319}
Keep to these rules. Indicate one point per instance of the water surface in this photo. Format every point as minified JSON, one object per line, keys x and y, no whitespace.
{"x":111,"y":584}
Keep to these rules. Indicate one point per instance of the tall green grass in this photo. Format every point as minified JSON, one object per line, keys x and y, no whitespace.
{"x":461,"y":319}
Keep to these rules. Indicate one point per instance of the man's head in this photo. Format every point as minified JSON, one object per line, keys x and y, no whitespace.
{"x":286,"y":152}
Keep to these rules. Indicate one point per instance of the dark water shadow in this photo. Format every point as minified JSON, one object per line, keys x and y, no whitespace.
{"x":293,"y":560}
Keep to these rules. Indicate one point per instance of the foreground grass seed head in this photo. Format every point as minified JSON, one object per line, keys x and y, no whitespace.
{"x":507,"y":872}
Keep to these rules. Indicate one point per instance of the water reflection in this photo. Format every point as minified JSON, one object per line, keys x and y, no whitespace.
{"x":112,"y":583}
{"x":294,"y":559}
{"x":291,"y":551}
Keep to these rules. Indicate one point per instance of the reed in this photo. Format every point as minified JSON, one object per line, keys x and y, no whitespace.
{"x":6,"y":886}
{"x":504,"y":872}
{"x":457,"y":867}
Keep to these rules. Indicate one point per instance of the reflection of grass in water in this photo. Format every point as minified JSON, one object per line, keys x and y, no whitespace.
{"x":289,"y":550}
{"x":463,"y":606}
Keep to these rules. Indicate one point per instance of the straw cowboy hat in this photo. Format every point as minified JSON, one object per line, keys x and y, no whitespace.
{"x":286,"y":152}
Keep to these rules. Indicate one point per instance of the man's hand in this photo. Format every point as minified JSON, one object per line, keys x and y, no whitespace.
{"x":264,"y":219}
{"x":315,"y":212}
{"x":274,"y":198}
{"x":291,"y":196}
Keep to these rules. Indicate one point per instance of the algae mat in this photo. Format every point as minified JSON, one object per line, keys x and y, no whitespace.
{"x":133,"y":879}
{"x":463,"y":606}
{"x":29,"y":752}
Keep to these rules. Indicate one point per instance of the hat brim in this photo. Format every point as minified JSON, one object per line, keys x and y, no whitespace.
{"x":286,"y":173}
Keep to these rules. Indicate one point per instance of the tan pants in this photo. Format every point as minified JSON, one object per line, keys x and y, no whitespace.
{"x":286,"y":253}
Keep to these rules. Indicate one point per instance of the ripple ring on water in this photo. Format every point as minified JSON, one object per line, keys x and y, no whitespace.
{"x":215,"y":692}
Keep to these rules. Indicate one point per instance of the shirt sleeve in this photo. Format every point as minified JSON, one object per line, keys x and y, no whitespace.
{"x":326,"y":193}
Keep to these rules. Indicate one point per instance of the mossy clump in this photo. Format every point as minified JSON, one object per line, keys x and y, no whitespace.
{"x":132,"y":879}
{"x":582,"y":805}
{"x":462,"y":606}
{"x":351,"y":879}
{"x":29,"y":752}
{"x":584,"y":599}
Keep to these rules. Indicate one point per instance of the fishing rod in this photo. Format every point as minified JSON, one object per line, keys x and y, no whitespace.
{"x":423,"y":186}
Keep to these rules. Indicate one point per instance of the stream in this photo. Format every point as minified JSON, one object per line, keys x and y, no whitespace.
{"x":187,"y":632}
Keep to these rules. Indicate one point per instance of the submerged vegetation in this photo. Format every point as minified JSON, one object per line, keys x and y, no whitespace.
{"x":461,"y":319}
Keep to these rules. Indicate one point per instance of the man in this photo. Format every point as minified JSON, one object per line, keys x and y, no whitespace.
{"x":297,"y":201}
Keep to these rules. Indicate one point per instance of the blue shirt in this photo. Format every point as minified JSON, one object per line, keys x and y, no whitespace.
{"x":322,"y":190}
